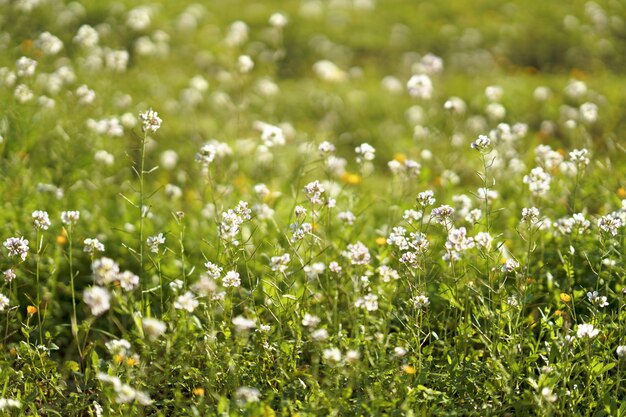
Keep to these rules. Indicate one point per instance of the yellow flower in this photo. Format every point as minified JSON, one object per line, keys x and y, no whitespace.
{"x":409,"y":370}
{"x":400,"y":157}
{"x":131,"y":361}
{"x":198,"y":392}
{"x":62,"y":237}
{"x":566,"y":298}
{"x":31,"y":309}
{"x":381,"y":240}
{"x":621,"y":192}
{"x":351,"y":179}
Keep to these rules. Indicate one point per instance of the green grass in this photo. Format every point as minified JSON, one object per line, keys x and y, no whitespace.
{"x":432,"y":337}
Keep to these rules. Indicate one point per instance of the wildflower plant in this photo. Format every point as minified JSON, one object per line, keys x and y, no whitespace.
{"x":378,"y":229}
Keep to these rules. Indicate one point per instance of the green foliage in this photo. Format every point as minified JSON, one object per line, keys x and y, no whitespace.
{"x":270,"y":248}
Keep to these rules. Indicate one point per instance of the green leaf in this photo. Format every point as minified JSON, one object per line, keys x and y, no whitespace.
{"x":71,"y":366}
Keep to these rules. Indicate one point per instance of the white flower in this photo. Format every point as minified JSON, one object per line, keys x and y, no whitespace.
{"x":270,"y":135}
{"x":86,"y":37}
{"x":326,"y":148}
{"x":547,"y":395}
{"x":589,"y":112}
{"x":310,"y":320}
{"x":595,"y":298}
{"x":237,"y":33}
{"x":9,"y":403}
{"x":482,"y":143}
{"x":25,"y":67}
{"x":420,"y":86}
{"x":484,"y":240}
{"x":420,"y":301}
{"x":4,"y":302}
{"x":332,"y":354}
{"x":92,"y":245}
{"x":530,"y":215}
{"x":118,"y":347}
{"x":538,"y":181}
{"x":368,"y":302}
{"x":280,"y":263}
{"x":313,"y":271}
{"x":150,"y":121}
{"x":245,"y":64}
{"x":207,"y":154}
{"x":278,"y":20}
{"x":334,"y":267}
{"x":97,"y":409}
{"x":510,"y":265}
{"x":358,"y":254}
{"x":49,"y":44}
{"x":41,"y":220}
{"x":399,"y":351}
{"x":245,"y":395}
{"x":352,"y":356}
{"x":98,"y":299}
{"x":155,"y":241}
{"x":105,"y":270}
{"x":365,"y":152}
{"x":177,"y":285}
{"x":242,"y":324}
{"x":231,"y":279}
{"x":17,"y":247}
{"x":70,"y":217}
{"x":587,"y":330}
{"x":426,"y":198}
{"x":128,"y":280}
{"x":320,"y":335}
{"x":187,"y":302}
{"x":608,"y":224}
{"x":153,"y":328}
{"x":9,"y":275}
{"x":314,"y":191}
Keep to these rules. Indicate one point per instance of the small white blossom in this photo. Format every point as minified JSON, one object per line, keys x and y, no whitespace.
{"x":155,"y":241}
{"x":17,"y":246}
{"x":186,"y":302}
{"x":587,"y":331}
{"x":150,"y":121}
{"x":420,"y":86}
{"x":310,"y":320}
{"x":482,"y":143}
{"x":365,"y":152}
{"x":231,"y":279}
{"x":41,"y":220}
{"x":242,"y":324}
{"x":368,"y":302}
{"x":332,"y":354}
{"x":92,"y":245}
{"x":70,"y":217}
{"x":153,"y":328}
{"x":98,"y":299}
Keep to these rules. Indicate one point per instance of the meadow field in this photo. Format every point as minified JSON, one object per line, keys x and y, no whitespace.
{"x":313,"y":208}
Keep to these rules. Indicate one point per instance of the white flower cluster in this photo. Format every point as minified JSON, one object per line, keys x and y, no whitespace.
{"x":125,"y":393}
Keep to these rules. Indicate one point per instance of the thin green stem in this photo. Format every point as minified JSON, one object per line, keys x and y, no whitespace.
{"x":38,"y":302}
{"x":141,"y":215}
{"x":74,"y":323}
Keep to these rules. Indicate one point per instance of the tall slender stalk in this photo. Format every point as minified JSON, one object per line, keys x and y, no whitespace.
{"x":141,"y":216}
{"x":74,"y":324}
{"x":39,"y":243}
{"x":150,"y":122}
